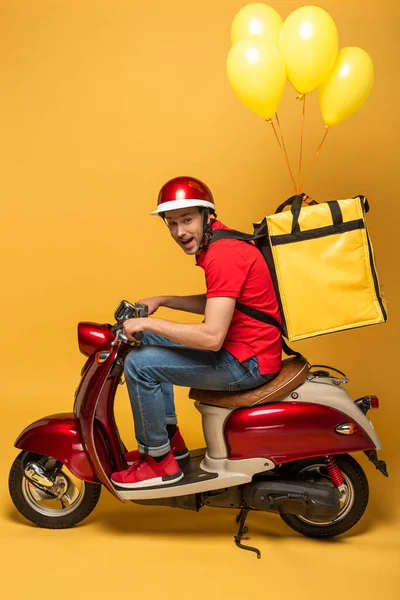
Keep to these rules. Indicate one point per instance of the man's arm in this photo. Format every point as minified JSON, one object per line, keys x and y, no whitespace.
{"x":209,"y":335}
{"x":193,"y":304}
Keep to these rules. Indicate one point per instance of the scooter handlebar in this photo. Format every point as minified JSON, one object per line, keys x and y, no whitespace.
{"x":119,"y":335}
{"x":126,"y":311}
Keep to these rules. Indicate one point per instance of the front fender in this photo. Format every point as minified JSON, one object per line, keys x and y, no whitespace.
{"x":58,"y":436}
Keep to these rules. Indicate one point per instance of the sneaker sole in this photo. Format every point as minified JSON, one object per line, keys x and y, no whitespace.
{"x":154,"y":482}
{"x":177,"y":457}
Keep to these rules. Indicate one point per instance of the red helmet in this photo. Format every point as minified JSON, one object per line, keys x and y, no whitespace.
{"x":182,"y":192}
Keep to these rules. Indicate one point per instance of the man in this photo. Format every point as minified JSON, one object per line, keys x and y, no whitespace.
{"x":227,"y":351}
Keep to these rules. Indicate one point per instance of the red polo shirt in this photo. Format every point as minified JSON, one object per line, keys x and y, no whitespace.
{"x":238,"y":270}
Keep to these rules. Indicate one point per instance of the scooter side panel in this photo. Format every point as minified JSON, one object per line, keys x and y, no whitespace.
{"x":324,"y":391}
{"x":287,"y":431}
{"x":58,"y":436}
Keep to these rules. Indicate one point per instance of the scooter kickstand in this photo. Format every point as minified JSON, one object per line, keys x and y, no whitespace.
{"x":241,"y":519}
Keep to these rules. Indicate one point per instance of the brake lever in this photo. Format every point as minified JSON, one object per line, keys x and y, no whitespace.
{"x":120,"y":336}
{"x":116,"y":339}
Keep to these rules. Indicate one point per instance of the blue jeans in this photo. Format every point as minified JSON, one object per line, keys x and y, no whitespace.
{"x":159,"y":363}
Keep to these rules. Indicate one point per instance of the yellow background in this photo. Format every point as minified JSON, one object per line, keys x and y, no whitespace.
{"x":100,"y":103}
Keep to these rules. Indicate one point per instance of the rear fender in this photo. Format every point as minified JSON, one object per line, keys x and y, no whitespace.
{"x":58,"y":436}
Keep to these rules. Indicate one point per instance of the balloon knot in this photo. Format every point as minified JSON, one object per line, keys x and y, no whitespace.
{"x":300,"y":97}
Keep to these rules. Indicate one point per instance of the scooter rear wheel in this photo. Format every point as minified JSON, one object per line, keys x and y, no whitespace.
{"x":353,"y":504}
{"x":43,"y":507}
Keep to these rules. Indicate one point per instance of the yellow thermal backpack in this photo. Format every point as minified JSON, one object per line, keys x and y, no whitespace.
{"x":322,"y":264}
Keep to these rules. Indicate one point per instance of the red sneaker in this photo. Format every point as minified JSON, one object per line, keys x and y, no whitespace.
{"x":147,"y":473}
{"x":177,"y":444}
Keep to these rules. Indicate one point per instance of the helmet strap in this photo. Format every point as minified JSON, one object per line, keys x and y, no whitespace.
{"x":207,"y":231}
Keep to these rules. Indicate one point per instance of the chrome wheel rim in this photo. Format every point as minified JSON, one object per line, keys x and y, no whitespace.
{"x":52,"y":506}
{"x":346,"y":499}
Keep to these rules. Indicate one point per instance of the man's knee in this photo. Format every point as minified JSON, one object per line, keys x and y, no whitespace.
{"x":138,"y":361}
{"x":132,"y":361}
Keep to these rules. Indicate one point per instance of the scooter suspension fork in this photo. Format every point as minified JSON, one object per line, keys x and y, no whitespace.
{"x":335,"y":474}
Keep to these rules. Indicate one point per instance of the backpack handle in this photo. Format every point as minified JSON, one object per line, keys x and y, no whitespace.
{"x":289,"y":202}
{"x":295,"y":203}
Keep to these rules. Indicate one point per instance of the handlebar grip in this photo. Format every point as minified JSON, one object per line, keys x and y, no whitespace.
{"x":138,"y":336}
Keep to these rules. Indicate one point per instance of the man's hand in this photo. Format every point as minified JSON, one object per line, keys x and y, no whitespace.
{"x":153,"y":303}
{"x":132,"y":326}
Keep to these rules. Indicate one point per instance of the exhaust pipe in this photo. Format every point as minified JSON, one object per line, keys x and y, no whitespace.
{"x":310,"y":500}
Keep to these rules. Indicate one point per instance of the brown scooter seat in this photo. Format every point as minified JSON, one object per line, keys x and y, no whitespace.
{"x":293,"y":373}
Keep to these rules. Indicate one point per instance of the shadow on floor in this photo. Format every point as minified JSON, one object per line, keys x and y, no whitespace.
{"x":133,"y":519}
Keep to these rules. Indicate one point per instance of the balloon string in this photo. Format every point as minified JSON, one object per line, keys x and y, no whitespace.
{"x":276,"y":135}
{"x":316,"y":155}
{"x":285,"y":151}
{"x":301,"y":145}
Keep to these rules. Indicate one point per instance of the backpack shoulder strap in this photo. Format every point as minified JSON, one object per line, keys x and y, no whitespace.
{"x":232,"y":234}
{"x":266,"y":318}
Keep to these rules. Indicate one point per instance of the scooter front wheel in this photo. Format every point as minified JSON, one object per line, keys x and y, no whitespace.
{"x":353,"y":504}
{"x":63,"y":505}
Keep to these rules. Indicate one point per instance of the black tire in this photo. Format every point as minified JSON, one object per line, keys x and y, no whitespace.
{"x":356,"y":479}
{"x":19,"y":487}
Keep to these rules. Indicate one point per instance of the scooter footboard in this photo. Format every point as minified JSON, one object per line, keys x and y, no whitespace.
{"x":58,"y":436}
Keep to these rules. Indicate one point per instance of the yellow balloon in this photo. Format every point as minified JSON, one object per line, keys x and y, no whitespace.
{"x":256,"y":19}
{"x":309,"y":43}
{"x":256,"y":72}
{"x":347,"y":85}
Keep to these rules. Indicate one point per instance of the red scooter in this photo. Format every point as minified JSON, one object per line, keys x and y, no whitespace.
{"x":282,"y":447}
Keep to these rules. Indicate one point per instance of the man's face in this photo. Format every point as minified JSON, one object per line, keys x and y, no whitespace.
{"x":186,"y":227}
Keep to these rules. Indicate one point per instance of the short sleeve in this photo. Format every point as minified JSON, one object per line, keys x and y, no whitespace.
{"x":226,"y":272}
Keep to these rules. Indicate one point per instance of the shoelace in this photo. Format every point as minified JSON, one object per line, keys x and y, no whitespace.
{"x":136,"y":465}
